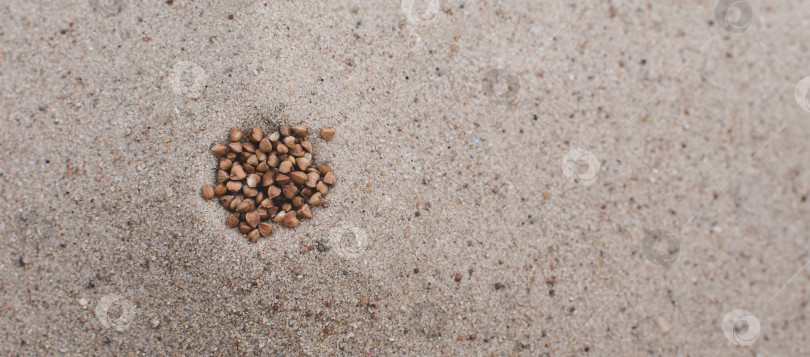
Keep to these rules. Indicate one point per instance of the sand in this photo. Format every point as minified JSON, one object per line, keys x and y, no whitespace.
{"x":500,"y":165}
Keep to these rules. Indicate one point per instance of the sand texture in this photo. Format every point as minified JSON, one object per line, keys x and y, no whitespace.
{"x":515,"y":178}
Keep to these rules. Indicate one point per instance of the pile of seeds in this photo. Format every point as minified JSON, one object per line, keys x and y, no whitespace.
{"x":263,"y":178}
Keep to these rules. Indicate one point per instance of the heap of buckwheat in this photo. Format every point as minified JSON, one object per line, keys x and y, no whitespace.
{"x":269,"y":178}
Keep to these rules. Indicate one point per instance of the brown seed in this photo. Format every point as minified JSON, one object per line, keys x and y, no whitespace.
{"x":226,"y":200}
{"x":249,"y":169}
{"x":327,"y":133}
{"x":312,"y":179}
{"x":299,"y":177}
{"x":225,"y":164}
{"x":266,"y":203}
{"x":259,"y":197}
{"x":300,"y":130}
{"x":304,"y":212}
{"x":307,"y":145}
{"x":250,"y":191}
{"x":289,"y":191}
{"x":273,"y":160}
{"x":271,"y":212}
{"x":282,"y":179}
{"x":220,"y":190}
{"x":253,"y":160}
{"x":323,"y":169}
{"x":302,"y":163}
{"x":279,"y":217}
{"x":297,"y":202}
{"x":244,"y":155}
{"x":267,"y":179}
{"x":237,"y":172}
{"x":329,"y":178}
{"x":253,"y":180}
{"x":282,"y":149}
{"x":273,"y":192}
{"x":297,"y":150}
{"x":265,"y":229}
{"x":322,"y":187}
{"x":262,"y":167}
{"x":246,"y":206}
{"x":262,"y":213}
{"x":261,"y":155}
{"x":307,"y":192}
{"x":253,"y":236}
{"x":290,"y":220}
{"x":289,"y":141}
{"x":240,"y":204}
{"x":235,"y":135}
{"x":265,"y":145}
{"x":207,"y":192}
{"x":316,"y":200}
{"x":236,"y":201}
{"x":219,"y":150}
{"x":236,"y":147}
{"x":232,"y":221}
{"x":256,"y":135}
{"x":252,"y":218}
{"x":244,"y":228}
{"x":274,"y":137}
{"x":285,"y":167}
{"x":248,"y":146}
{"x":233,"y":186}
{"x":252,"y":203}
{"x":231,"y":156}
{"x":284,"y":130}
{"x":222,"y":176}
{"x":286,"y":206}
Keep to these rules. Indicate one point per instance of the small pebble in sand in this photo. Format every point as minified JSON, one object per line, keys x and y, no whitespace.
{"x":155,"y":322}
{"x":457,"y":277}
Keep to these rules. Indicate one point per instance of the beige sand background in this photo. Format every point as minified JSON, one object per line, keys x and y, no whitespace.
{"x":108,"y":112}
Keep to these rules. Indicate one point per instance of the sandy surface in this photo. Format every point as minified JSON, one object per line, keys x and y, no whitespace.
{"x":452,"y":131}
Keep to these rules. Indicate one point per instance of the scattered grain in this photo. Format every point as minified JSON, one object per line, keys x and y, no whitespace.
{"x":262,"y":178}
{"x":329,"y":178}
{"x":290,"y":220}
{"x":299,"y":177}
{"x":300,"y":130}
{"x":207,"y":192}
{"x":327,"y":133}
{"x":256,"y":135}
{"x":265,"y":229}
{"x":219,"y":150}
{"x":235,"y":135}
